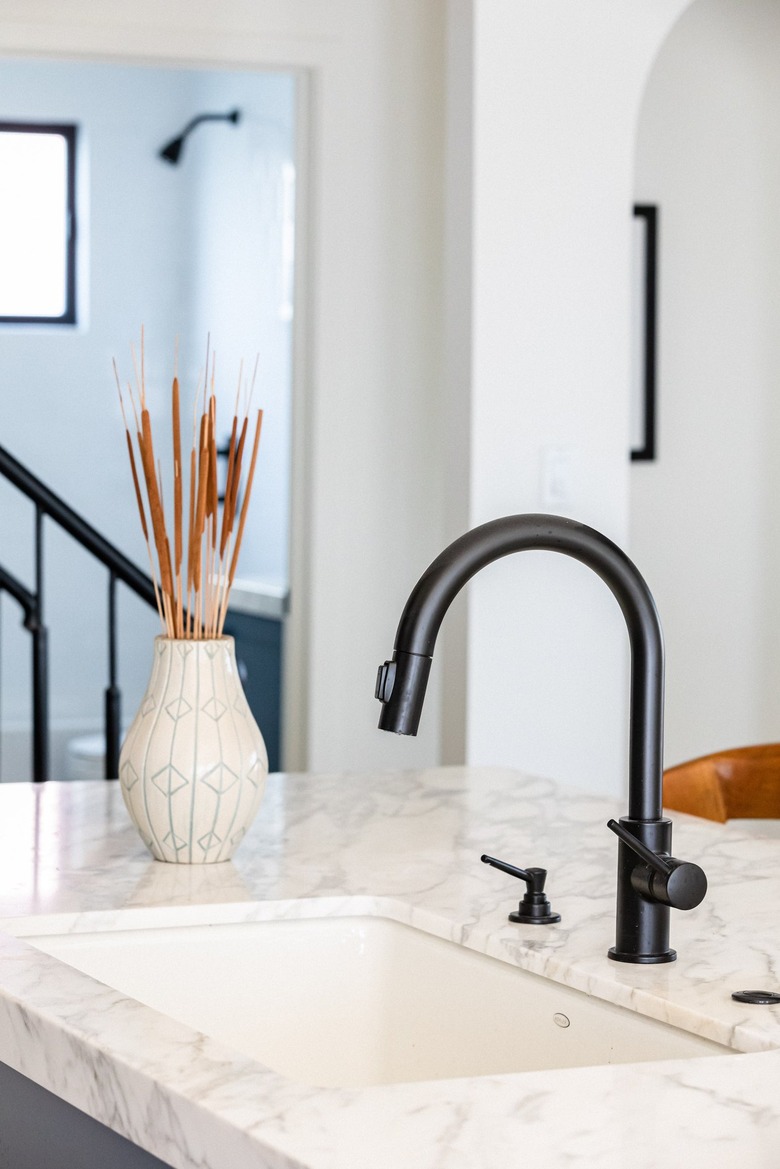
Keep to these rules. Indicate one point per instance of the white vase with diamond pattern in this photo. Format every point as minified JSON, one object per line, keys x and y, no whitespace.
{"x":193,"y":764}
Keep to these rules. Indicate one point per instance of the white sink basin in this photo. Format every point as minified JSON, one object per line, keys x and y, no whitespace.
{"x":353,"y":1001}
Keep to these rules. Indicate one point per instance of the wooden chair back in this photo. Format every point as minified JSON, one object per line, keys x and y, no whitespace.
{"x":742,"y":783}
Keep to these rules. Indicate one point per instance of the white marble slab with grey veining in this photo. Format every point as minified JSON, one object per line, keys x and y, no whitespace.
{"x":406,"y":845}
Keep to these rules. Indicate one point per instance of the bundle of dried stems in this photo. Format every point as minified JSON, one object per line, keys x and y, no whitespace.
{"x":192,"y":590}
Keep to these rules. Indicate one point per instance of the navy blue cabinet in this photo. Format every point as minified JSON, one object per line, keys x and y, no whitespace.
{"x":259,"y":656}
{"x":40,"y":1131}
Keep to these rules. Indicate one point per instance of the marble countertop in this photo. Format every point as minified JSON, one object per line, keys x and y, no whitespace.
{"x":259,"y":598}
{"x":406,"y":844}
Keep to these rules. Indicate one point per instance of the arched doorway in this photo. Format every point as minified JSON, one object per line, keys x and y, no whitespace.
{"x":705,"y":514}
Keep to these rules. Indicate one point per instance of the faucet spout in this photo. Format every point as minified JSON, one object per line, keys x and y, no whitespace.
{"x":650,"y":881}
{"x":401,"y":683}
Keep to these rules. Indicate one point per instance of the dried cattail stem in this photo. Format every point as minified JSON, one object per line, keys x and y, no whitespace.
{"x":245,"y":504}
{"x":195,"y":576}
{"x":226,"y":524}
{"x":177,"y":500}
{"x":139,"y":500}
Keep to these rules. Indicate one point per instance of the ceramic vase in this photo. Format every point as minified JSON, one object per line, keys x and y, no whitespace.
{"x":193,"y":764}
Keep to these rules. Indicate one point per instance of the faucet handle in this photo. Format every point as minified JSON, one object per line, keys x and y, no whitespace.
{"x":534,"y":909}
{"x":680,"y":884}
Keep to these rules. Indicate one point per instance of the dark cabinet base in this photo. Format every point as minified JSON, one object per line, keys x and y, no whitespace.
{"x":40,"y":1131}
{"x":259,"y":657}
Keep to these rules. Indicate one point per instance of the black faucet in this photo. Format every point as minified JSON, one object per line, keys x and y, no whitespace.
{"x":649,"y":880}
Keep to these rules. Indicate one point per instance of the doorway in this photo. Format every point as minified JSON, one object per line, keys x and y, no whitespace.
{"x":202,"y":247}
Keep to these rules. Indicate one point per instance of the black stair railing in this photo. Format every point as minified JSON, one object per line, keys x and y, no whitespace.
{"x":47,"y":504}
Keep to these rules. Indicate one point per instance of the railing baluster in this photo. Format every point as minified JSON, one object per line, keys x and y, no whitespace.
{"x":40,"y":704}
{"x":40,"y":670}
{"x":113,"y":694}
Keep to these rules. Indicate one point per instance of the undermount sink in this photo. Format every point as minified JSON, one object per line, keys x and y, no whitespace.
{"x":361,"y":1000}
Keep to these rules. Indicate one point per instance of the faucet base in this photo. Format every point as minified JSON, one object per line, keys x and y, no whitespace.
{"x":644,"y":959}
{"x":642,"y":925}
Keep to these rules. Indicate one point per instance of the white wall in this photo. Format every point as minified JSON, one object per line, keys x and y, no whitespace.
{"x":705,"y":516}
{"x":556,"y":92}
{"x":376,"y":482}
{"x":146,"y":237}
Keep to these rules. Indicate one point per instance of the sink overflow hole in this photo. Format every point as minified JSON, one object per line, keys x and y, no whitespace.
{"x":561,"y":1020}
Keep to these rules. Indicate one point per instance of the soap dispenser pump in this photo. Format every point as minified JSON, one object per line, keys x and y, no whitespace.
{"x":534,"y":909}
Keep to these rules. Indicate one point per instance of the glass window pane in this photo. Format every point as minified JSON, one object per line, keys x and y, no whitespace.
{"x":33,"y":224}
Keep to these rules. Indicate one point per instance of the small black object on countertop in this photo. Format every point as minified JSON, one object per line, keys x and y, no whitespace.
{"x":534,"y":909}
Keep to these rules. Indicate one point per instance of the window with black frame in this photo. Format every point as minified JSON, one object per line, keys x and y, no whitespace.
{"x":37,"y":223}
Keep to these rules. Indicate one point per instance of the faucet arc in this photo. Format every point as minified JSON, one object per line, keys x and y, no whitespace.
{"x":402,"y":688}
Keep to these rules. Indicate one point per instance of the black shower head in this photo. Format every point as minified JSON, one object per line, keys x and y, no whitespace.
{"x":171,"y":152}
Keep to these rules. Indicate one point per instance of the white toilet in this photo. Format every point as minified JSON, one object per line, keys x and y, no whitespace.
{"x":84,"y":757}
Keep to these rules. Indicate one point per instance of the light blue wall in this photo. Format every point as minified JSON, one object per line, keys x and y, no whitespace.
{"x":155,"y":252}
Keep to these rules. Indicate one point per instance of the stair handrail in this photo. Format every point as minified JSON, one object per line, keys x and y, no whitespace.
{"x":81,"y":531}
{"x":47,"y":503}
